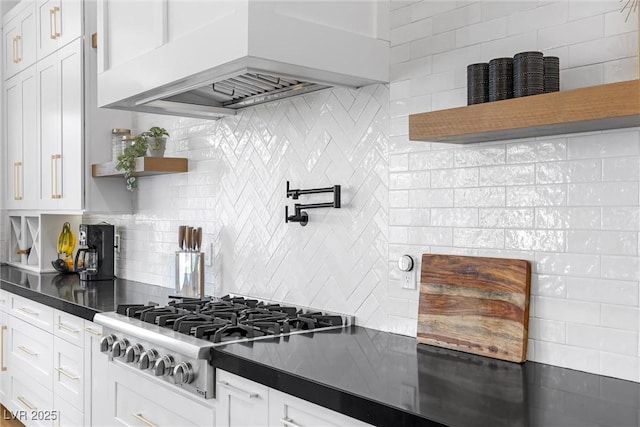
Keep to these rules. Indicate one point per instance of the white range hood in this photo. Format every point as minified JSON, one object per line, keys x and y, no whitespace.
{"x":209,"y":58}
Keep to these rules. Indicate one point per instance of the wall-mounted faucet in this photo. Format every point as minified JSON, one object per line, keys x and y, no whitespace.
{"x":299,"y":215}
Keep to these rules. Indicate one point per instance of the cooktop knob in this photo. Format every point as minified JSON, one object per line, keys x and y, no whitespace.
{"x":106,"y":342}
{"x":132,"y":354}
{"x":183,"y":373}
{"x":163,"y":366}
{"x":148,"y":359}
{"x":119,"y":347}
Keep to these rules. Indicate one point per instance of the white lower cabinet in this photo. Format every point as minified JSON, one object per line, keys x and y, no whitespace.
{"x":96,"y":410}
{"x":242,"y":402}
{"x":138,"y":400}
{"x":30,"y":403}
{"x":4,"y":346}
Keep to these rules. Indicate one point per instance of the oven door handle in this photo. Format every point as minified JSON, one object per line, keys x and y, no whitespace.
{"x":248,"y":394}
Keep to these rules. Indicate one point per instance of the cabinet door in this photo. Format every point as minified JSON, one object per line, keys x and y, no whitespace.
{"x":59,"y":22}
{"x":96,"y":412}
{"x":289,"y":411}
{"x":68,"y":373}
{"x":19,"y":38}
{"x":60,"y":128}
{"x":22,"y":166}
{"x":241,"y":402}
{"x":30,"y":403}
{"x":4,"y":345}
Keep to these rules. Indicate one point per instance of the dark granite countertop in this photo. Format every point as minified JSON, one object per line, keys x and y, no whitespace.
{"x":65,"y":291}
{"x":389,"y":380}
{"x":378,"y":377}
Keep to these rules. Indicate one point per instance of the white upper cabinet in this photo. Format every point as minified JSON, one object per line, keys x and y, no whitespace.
{"x":195,"y":48}
{"x":59,"y":22}
{"x":19,"y":38}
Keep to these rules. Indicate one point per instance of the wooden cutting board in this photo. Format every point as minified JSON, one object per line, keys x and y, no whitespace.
{"x":475,"y":304}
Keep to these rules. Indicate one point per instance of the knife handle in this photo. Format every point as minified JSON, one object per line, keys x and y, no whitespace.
{"x":181,"y":236}
{"x":199,"y":239}
{"x":188,"y":238}
{"x":194,"y":238}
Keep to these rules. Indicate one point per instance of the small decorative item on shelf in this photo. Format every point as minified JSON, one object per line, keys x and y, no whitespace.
{"x":551,"y":74}
{"x":528,"y":74}
{"x":477,"y":83}
{"x":500,"y":79}
{"x":151,"y":142}
{"x":116,"y":142}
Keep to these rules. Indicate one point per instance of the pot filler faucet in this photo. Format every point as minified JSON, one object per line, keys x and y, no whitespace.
{"x":299,"y":215}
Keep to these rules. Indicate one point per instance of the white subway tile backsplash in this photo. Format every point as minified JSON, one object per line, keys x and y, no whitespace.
{"x":579,"y":312}
{"x":508,"y":46}
{"x":621,"y":268}
{"x":438,"y":43}
{"x":620,"y":317}
{"x":507,"y":175}
{"x":620,"y":218}
{"x":616,"y":22}
{"x":432,"y":83}
{"x":606,"y":49}
{"x":537,"y":151}
{"x":603,"y":194}
{"x":408,"y":180}
{"x":585,"y":9}
{"x":621,"y":70}
{"x":533,"y":19}
{"x":400,"y":90}
{"x":479,"y":156}
{"x":603,"y":242}
{"x":400,"y":17}
{"x":577,"y":265}
{"x":547,"y":330}
{"x":602,"y":290}
{"x":570,"y":218}
{"x":549,"y":286}
{"x":438,"y":236}
{"x":498,"y":9}
{"x":448,"y":178}
{"x":535,"y":240}
{"x":427,"y":9}
{"x":619,"y":366}
{"x":409,"y":216}
{"x":571,"y":33}
{"x":449,"y":99}
{"x":479,"y":197}
{"x":481,"y":32}
{"x":431,"y":160}
{"x":599,"y":145}
{"x":506,"y":218}
{"x":456,"y":59}
{"x":604,"y":339}
{"x":398,"y":162}
{"x":578,"y":77}
{"x":430,"y":198}
{"x":454,"y":217}
{"x":412,"y":31}
{"x":400,"y":53}
{"x":569,"y":171}
{"x":537,"y":195}
{"x":457,"y":18}
{"x":567,"y":356}
{"x":398,"y":199}
{"x":411,"y":69}
{"x":479,"y":238}
{"x":621,"y":169}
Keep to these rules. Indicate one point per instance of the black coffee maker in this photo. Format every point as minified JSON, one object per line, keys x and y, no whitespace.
{"x":95,"y":257}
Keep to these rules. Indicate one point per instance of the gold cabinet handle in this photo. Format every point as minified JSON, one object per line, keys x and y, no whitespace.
{"x":29,"y":312}
{"x":249,"y":394}
{"x":26,"y":350}
{"x":139,"y":416}
{"x":67,"y":328}
{"x":289,"y":422}
{"x":2,"y":365}
{"x":67,"y":374}
{"x":16,"y":181}
{"x":26,"y":403}
{"x":93,"y":331}
{"x":54,"y":176}
{"x":16,"y":49}
{"x":54,"y":34}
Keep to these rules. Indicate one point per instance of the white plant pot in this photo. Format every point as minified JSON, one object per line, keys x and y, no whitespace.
{"x":161,"y":146}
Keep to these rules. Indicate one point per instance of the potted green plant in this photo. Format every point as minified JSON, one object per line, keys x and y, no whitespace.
{"x":156,"y":138}
{"x":127,"y":160}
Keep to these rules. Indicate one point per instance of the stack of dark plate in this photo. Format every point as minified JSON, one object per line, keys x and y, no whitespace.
{"x":551,"y":74}
{"x":528,"y":74}
{"x":477,"y":83}
{"x":500,"y":79}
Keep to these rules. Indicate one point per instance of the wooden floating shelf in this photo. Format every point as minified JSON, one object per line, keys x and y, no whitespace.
{"x":609,"y":106}
{"x":145,"y":166}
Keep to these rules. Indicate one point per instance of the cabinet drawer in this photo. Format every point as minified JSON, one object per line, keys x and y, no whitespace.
{"x":4,"y":301}
{"x":68,"y":327}
{"x":140,"y":401}
{"x":68,"y":373}
{"x":67,"y":415}
{"x":32,"y":312}
{"x":31,"y":350}
{"x":30,"y":403}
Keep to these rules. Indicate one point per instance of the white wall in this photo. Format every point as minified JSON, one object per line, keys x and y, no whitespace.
{"x":567,"y":203}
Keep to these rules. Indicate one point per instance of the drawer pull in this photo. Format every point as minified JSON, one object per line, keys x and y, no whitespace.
{"x":143,"y":419}
{"x":68,"y":328}
{"x":54,"y":34}
{"x":29,"y":312}
{"x":93,"y":331}
{"x":26,"y":350}
{"x":67,"y":374}
{"x":2,"y":365}
{"x":249,"y":394}
{"x":289,"y":422}
{"x":26,"y":403}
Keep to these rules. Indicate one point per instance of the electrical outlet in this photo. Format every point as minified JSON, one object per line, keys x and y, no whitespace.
{"x":408,"y":279}
{"x":116,"y":242}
